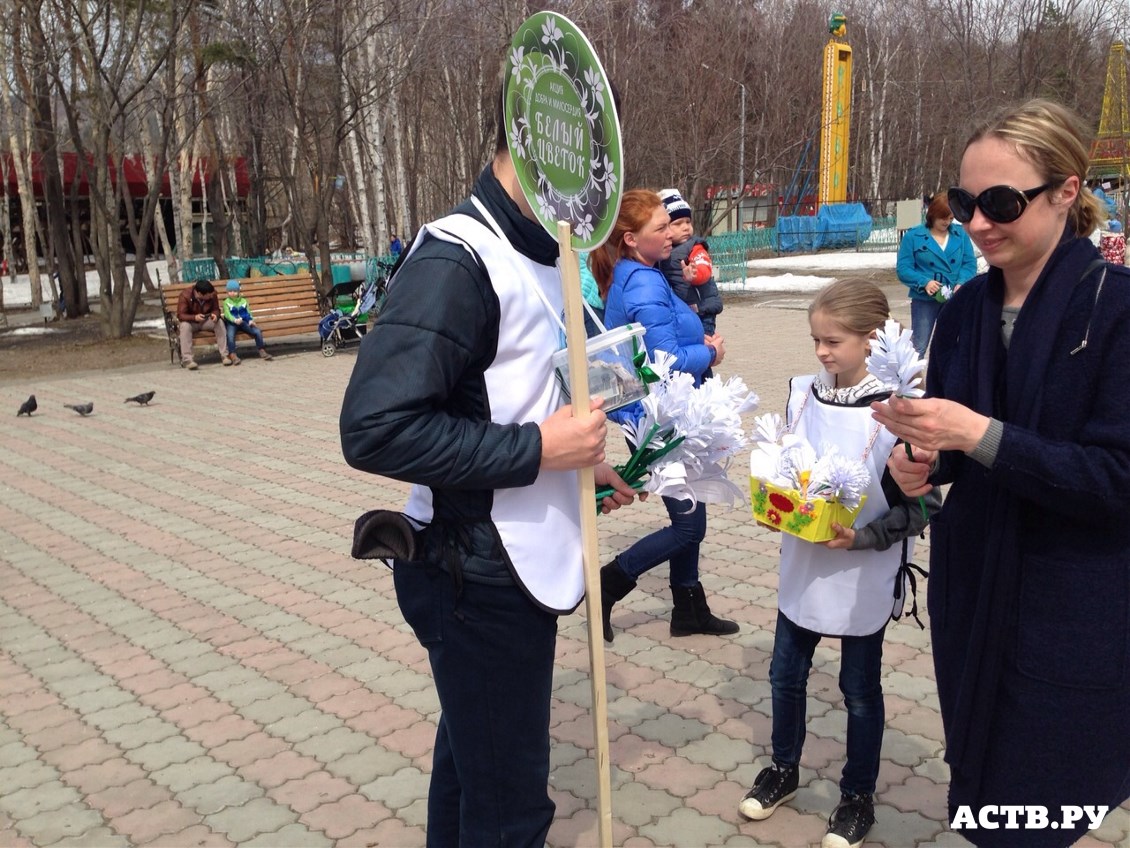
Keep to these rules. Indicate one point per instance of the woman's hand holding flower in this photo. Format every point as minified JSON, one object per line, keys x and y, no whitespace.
{"x":932,"y":423}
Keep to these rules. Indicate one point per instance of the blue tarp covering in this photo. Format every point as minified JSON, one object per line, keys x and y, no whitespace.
{"x":796,"y":233}
{"x":834,"y":225}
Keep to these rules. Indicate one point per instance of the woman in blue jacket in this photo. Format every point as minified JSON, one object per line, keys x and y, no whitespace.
{"x":636,"y":291}
{"x":931,"y":255}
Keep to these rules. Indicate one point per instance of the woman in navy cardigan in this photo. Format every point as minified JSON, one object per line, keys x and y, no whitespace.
{"x":636,"y":291}
{"x":1028,"y":417}
{"x":931,"y":255}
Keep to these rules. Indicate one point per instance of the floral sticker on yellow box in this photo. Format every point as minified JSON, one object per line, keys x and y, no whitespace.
{"x":787,"y":510}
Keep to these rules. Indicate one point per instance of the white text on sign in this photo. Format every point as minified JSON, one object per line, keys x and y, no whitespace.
{"x":1026,"y":817}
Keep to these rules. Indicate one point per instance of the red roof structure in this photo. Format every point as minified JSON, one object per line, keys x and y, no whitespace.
{"x":132,"y":166}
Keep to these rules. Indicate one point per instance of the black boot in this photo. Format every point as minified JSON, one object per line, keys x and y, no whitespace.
{"x":692,"y":614}
{"x":614,"y":585}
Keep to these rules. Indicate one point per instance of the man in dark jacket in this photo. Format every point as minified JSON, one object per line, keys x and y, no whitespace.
{"x":454,"y":391}
{"x":198,"y":308}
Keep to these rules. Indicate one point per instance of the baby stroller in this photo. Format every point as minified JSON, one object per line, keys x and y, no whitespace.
{"x":348,"y":318}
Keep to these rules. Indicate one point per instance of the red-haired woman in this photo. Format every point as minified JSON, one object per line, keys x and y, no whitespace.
{"x":932,"y":255}
{"x":636,"y":291}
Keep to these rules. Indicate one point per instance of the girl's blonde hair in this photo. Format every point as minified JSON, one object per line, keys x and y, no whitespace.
{"x":856,"y":304}
{"x":1052,"y":138}
{"x":636,"y":209}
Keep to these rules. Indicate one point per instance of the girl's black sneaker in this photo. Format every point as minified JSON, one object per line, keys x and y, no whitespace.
{"x":774,"y":786}
{"x":850,"y":822}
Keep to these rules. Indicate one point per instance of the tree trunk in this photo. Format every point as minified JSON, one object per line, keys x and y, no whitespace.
{"x":218,"y":214}
{"x":400,"y":169}
{"x":72,"y":287}
{"x":8,"y":262}
{"x":20,"y":160}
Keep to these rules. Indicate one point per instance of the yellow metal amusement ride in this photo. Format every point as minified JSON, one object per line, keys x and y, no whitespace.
{"x":835,"y":123}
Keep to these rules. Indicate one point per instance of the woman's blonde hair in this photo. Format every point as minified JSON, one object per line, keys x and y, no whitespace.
{"x":856,"y":304}
{"x":1052,"y":138}
{"x":636,"y":209}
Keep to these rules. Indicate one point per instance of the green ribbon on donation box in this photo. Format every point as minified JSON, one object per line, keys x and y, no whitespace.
{"x":639,"y":361}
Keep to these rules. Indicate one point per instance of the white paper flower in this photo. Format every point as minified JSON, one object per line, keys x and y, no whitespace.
{"x":895,"y":362}
{"x":705,"y":420}
{"x":517,"y":140}
{"x":764,"y":462}
{"x":584,"y":227}
{"x":795,"y":464}
{"x":769,"y":428}
{"x":596,"y":83}
{"x":839,"y":477}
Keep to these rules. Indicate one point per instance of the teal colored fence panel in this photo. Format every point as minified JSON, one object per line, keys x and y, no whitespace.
{"x":197,"y":269}
{"x":883,"y":237}
{"x":238,"y":267}
{"x":378,"y":267}
{"x":729,"y":252}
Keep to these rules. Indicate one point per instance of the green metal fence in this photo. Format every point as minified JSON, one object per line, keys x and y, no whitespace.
{"x":260,"y":266}
{"x":883,"y":237}
{"x":197,"y":269}
{"x":730,"y":252}
{"x":378,"y":267}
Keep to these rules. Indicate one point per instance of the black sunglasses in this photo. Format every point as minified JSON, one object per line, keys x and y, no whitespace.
{"x":1001,"y":204}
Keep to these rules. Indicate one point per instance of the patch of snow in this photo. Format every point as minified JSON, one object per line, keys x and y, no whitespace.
{"x":17,"y":294}
{"x":779,"y":283}
{"x":848,"y":260}
{"x":32,"y":331}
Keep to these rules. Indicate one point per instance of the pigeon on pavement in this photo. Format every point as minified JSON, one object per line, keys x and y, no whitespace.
{"x":83,"y":409}
{"x":28,"y":407}
{"x":141,"y":399}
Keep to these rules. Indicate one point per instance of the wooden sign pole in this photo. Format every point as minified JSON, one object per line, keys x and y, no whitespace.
{"x":579,"y":392}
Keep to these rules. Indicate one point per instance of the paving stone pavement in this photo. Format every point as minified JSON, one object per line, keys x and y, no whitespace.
{"x":188,"y":656}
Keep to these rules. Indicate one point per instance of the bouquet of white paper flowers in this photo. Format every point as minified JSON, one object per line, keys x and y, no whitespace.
{"x":686,"y":436}
{"x":800,"y":490}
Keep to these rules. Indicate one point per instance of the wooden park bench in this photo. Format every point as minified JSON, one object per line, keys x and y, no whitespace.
{"x":282,"y":305}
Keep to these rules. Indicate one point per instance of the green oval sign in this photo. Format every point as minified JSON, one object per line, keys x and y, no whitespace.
{"x":562,"y":129}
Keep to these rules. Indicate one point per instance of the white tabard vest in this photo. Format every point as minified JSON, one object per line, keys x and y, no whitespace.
{"x":839,"y":592}
{"x":540,"y":524}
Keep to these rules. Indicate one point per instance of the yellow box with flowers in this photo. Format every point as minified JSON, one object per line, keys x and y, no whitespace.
{"x":792,"y":511}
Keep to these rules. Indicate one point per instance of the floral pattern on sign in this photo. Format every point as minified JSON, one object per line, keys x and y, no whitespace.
{"x":562,"y":129}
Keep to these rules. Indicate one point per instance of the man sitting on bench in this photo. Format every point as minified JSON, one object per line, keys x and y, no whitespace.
{"x":198,"y":308}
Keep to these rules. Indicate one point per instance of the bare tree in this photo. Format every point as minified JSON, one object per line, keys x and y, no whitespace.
{"x":354,"y":117}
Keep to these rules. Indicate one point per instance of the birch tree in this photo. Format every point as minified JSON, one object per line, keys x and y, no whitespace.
{"x":19,"y":138}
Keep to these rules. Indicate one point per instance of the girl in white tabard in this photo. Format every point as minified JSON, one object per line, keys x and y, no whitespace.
{"x":844,"y":587}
